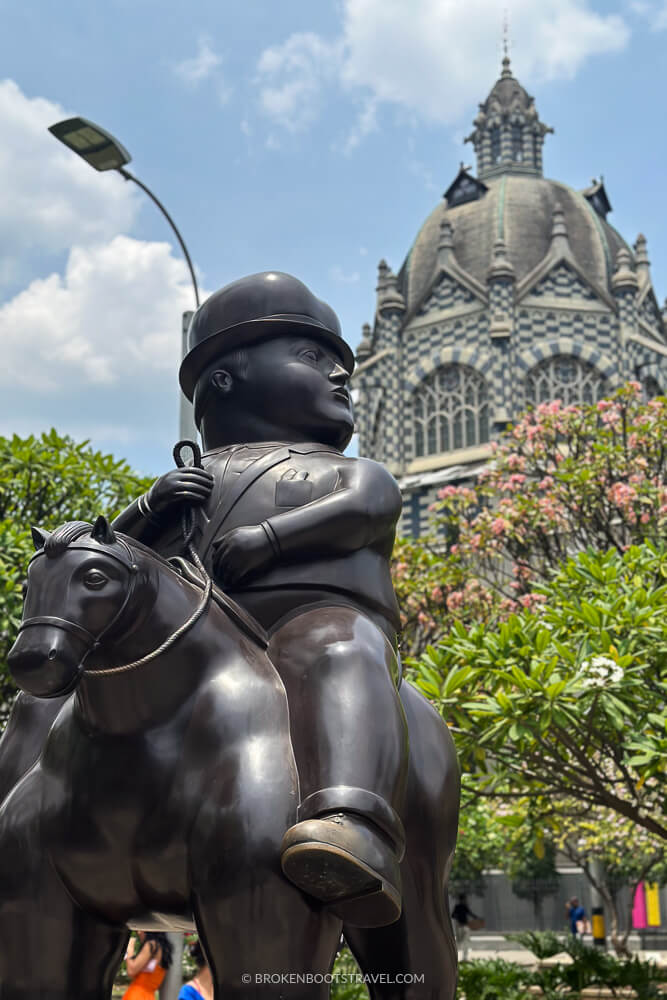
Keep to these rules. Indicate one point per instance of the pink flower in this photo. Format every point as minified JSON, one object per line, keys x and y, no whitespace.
{"x":454,"y":600}
{"x":499,"y":526}
{"x":436,"y":594}
{"x":530,"y":600}
{"x":622,"y":494}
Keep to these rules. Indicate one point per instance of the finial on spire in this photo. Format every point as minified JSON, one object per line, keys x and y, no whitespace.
{"x":365,"y":348}
{"x":506,"y":44}
{"x":641,"y":259}
{"x":501,"y":265}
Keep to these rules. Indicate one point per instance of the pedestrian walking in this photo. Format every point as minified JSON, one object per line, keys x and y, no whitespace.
{"x":461,"y":915}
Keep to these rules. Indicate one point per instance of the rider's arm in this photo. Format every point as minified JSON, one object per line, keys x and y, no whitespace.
{"x":147,"y":516}
{"x":133,"y":521}
{"x":363,"y":511}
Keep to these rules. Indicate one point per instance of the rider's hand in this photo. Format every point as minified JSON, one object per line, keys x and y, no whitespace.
{"x":178,"y":486}
{"x":240,"y":553}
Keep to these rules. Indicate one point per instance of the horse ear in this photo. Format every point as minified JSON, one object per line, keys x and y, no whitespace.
{"x":103,"y":532}
{"x":39,"y":537}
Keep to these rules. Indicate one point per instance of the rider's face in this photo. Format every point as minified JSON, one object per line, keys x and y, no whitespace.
{"x":298,"y":385}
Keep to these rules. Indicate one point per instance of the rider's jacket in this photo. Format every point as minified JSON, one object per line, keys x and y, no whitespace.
{"x":332,"y":519}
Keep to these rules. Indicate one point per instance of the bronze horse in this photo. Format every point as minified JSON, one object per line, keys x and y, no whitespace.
{"x":154,"y":788}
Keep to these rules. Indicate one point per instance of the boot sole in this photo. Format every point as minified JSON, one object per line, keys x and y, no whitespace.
{"x":349,"y":888}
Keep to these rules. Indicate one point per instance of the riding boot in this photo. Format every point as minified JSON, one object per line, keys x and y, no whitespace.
{"x":348,"y":858}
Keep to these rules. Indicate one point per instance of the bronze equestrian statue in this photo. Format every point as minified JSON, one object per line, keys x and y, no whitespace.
{"x":297,"y":538}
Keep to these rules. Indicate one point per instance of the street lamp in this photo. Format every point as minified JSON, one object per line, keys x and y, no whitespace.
{"x":104,"y":152}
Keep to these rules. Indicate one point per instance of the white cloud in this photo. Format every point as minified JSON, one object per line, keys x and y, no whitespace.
{"x":51,"y":198}
{"x":95,"y":351}
{"x":111,"y":315}
{"x":656,"y":13}
{"x":428,"y":56}
{"x":204,"y":66}
{"x":201,"y":66}
{"x":365,"y":123}
{"x":293,"y":76}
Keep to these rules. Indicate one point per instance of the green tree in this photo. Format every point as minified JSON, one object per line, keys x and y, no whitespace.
{"x":627,"y":853}
{"x":46,"y":481}
{"x":567,"y":700}
{"x":481,"y":843}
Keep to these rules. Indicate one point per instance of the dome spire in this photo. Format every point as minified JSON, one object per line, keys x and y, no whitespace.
{"x":641,"y":260}
{"x":508,"y":134}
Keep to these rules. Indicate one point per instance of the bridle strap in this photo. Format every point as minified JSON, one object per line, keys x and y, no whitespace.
{"x":168,"y":642}
{"x":62,"y":623}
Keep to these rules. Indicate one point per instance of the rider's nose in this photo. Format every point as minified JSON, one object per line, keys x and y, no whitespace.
{"x":339,"y":375}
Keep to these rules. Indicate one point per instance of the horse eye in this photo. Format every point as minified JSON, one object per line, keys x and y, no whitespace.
{"x":94,"y":580}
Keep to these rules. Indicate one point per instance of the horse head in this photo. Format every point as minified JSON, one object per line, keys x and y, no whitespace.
{"x":81,"y":582}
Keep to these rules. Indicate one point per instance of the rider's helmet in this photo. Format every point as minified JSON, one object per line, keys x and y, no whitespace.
{"x":261,"y":306}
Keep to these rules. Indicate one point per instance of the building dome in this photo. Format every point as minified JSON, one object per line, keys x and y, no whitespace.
{"x":516,"y":292}
{"x":519,"y":209}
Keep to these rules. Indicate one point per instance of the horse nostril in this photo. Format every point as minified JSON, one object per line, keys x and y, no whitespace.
{"x":52,"y":654}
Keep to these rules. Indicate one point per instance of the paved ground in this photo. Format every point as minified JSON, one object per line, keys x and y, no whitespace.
{"x":497,"y":946}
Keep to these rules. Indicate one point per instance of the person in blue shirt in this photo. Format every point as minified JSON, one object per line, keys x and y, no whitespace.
{"x":576,"y":914}
{"x":200,"y":987}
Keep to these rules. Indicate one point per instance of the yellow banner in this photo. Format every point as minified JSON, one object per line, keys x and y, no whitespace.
{"x":652,"y":904}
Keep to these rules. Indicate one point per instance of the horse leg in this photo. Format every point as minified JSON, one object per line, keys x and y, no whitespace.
{"x":24,"y":736}
{"x":262,"y":937}
{"x":51,"y":949}
{"x":415,"y":957}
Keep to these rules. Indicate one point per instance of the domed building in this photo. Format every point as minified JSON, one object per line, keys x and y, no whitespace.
{"x":516,"y":291}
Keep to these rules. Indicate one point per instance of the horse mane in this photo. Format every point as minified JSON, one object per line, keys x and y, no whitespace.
{"x":62,"y":537}
{"x":59,"y":539}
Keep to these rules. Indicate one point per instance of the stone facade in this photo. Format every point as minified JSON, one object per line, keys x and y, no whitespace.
{"x":516,"y":291}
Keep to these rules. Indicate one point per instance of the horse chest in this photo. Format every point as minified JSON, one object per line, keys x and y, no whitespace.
{"x":117,"y":819}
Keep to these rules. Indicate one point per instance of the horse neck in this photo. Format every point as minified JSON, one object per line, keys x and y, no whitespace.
{"x":149,"y":694}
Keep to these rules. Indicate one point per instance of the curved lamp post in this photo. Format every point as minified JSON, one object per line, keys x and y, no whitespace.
{"x":104,"y":152}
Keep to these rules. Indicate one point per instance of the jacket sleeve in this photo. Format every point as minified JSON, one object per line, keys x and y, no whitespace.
{"x":363,"y":511}
{"x":134,"y":523}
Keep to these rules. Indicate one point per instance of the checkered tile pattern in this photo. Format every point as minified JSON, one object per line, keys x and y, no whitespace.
{"x":595,"y":329}
{"x":416,"y":516}
{"x":501,"y":297}
{"x":627,"y":308}
{"x":446,"y":295}
{"x":650,"y":313}
{"x":563,"y":283}
{"x":536,"y":332}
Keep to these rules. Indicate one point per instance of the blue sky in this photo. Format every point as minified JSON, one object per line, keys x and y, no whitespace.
{"x":308,"y":137}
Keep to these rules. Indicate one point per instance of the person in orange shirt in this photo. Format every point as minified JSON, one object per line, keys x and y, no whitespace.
{"x":147,"y":964}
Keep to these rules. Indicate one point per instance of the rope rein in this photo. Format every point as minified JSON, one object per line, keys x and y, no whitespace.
{"x":188,"y":523}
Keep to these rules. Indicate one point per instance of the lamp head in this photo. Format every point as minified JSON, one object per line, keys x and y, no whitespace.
{"x":96,"y":146}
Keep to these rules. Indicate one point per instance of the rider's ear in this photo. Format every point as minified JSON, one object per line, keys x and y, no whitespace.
{"x":222,"y":381}
{"x":39,"y":537}
{"x":102,"y":531}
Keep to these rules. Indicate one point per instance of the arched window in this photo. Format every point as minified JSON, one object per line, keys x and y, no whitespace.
{"x":564,"y":377}
{"x":517,"y":143}
{"x":450,"y":410}
{"x":495,"y":144}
